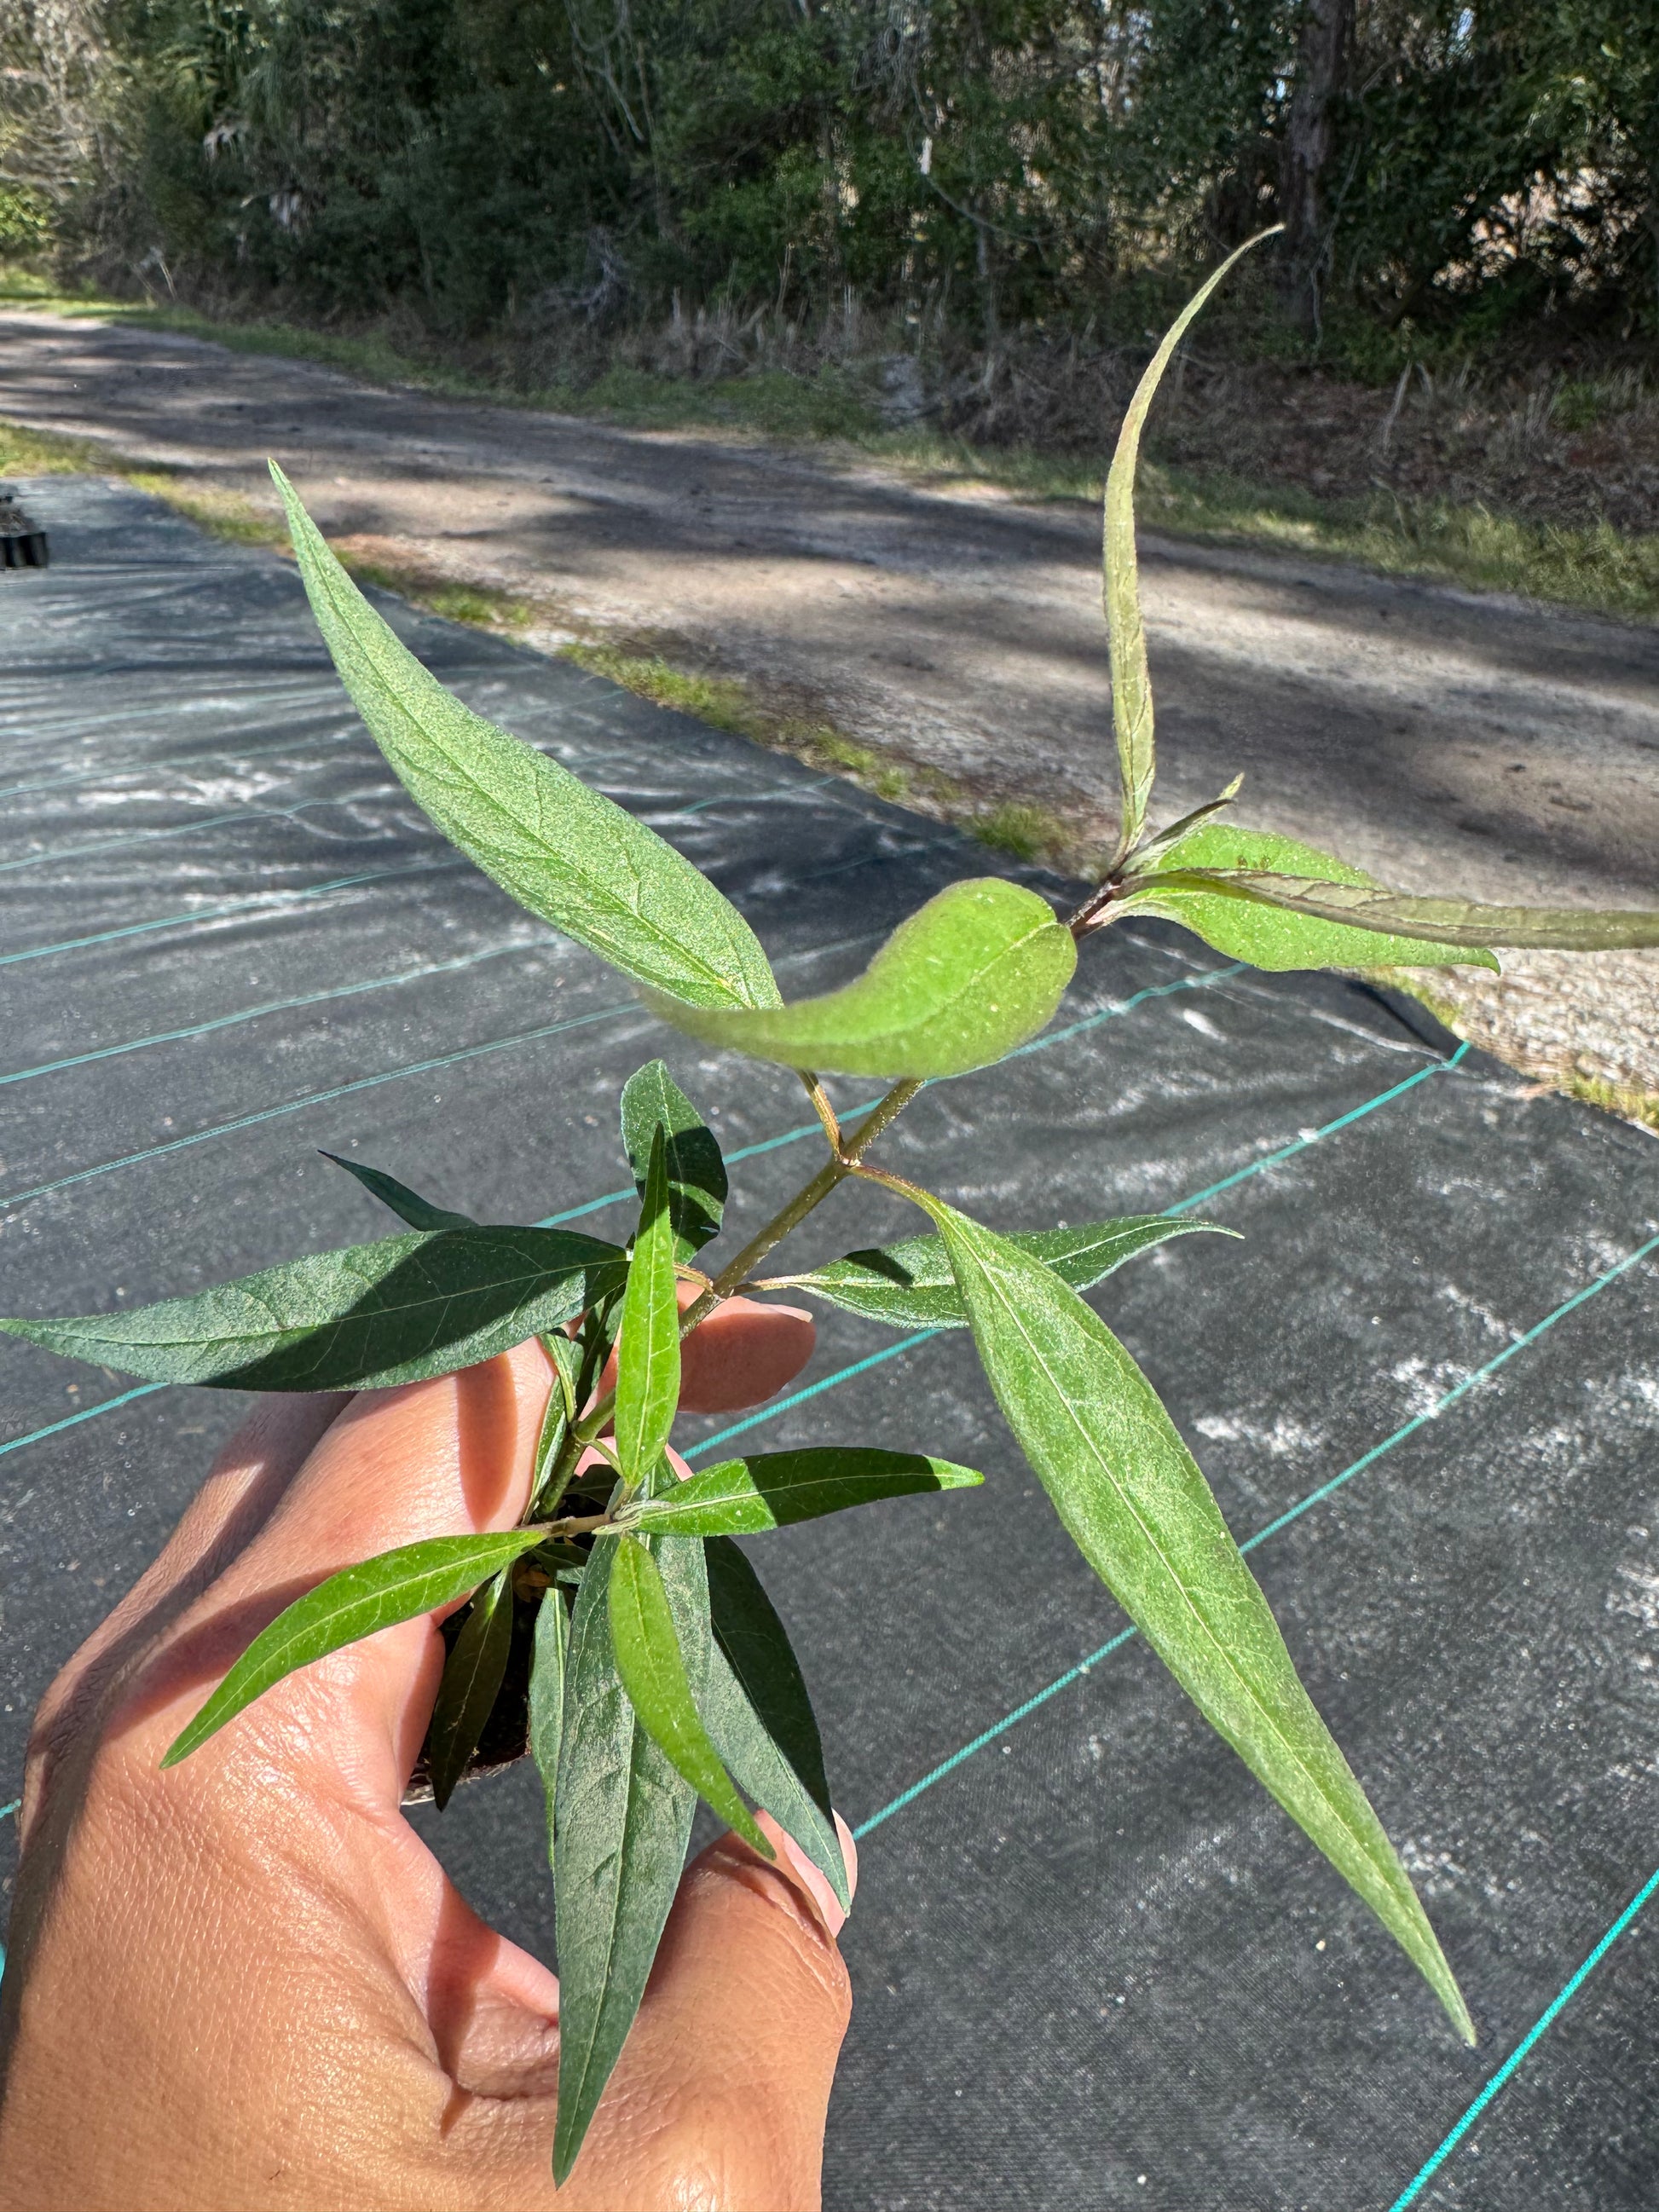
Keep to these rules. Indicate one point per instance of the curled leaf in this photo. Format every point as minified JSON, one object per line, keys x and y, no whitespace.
{"x":1198,"y":881}
{"x":1443,"y":922}
{"x":974,"y":973}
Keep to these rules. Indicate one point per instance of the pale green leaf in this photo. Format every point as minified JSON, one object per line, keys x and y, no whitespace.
{"x":974,"y":973}
{"x":1134,"y":1501}
{"x":548,"y":1659}
{"x":1132,"y":688}
{"x":1183,"y":888}
{"x":408,"y":1204}
{"x":754,"y":1640}
{"x":566,"y":852}
{"x":473,"y":1673}
{"x":356,"y":1602}
{"x":621,"y":1822}
{"x":652,"y":1099}
{"x":652,"y":1672}
{"x":363,"y":1319}
{"x":772,"y":1490}
{"x":909,"y":1284}
{"x":648,"y":1350}
{"x":1443,"y":922}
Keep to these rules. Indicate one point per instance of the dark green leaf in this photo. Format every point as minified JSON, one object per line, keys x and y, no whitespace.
{"x":743,"y":1496}
{"x":651,"y":1100}
{"x":1132,"y":688}
{"x":1443,"y":922}
{"x":565,"y":852}
{"x":622,"y":1821}
{"x":1135,"y":1503}
{"x":648,"y":1350}
{"x":356,"y":1602}
{"x":472,"y":1674}
{"x":755,"y":1641}
{"x":548,"y":1659}
{"x":1185,"y":886}
{"x":761,"y":1770}
{"x":408,"y":1204}
{"x":910,"y":1284}
{"x":647,"y":1654}
{"x":964,"y":979}
{"x":361,"y":1319}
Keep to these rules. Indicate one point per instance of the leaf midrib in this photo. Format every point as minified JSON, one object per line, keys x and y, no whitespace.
{"x":1357,"y":1836}
{"x":599,"y":893}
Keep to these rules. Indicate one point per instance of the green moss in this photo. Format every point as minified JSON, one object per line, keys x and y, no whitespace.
{"x":1018,"y":829}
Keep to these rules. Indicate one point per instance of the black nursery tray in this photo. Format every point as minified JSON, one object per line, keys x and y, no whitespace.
{"x":22,"y":541}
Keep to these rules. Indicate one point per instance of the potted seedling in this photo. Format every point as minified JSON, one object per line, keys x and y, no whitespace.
{"x":621,"y":1633}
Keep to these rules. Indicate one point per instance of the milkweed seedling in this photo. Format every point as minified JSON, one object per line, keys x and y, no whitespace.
{"x":655,"y":1657}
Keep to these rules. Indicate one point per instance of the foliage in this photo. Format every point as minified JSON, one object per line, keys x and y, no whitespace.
{"x":563,"y":163}
{"x":661,"y":1671}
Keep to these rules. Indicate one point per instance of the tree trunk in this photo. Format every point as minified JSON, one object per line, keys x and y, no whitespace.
{"x":1322,"y":56}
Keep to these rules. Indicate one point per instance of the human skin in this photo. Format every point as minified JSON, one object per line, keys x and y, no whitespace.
{"x":245,"y":1981}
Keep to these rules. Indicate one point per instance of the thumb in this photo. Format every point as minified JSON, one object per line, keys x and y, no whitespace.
{"x":720,"y":2093}
{"x":444,"y":1458}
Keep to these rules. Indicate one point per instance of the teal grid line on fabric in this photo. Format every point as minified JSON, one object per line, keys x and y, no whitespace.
{"x":316,"y":1098}
{"x":273,"y":1006}
{"x":230,"y":907}
{"x":1512,"y":2065}
{"x":345,"y":1090}
{"x":184,"y":829}
{"x":1483,"y":1374}
{"x":1206,"y":977}
{"x":1182,"y":1205}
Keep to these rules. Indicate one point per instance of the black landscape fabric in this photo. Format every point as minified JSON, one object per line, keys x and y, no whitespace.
{"x":1094,"y":1964}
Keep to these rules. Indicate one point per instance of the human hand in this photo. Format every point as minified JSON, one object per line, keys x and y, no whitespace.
{"x":246,"y":1982}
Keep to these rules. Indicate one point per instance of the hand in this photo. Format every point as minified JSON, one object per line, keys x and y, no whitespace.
{"x":246,"y":1982}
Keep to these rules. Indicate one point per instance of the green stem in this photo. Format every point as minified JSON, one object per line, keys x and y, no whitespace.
{"x":811,"y":1194}
{"x":846,"y":1161}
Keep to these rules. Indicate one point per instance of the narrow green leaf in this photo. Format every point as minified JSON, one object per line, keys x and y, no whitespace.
{"x":565,"y":852}
{"x":654,"y":1675}
{"x":760,"y":1770}
{"x":755,"y":1641}
{"x":408,"y":1204}
{"x":910,"y":1286}
{"x":745,"y":1496}
{"x":563,"y":1404}
{"x":1134,"y":1501}
{"x":361,"y":1319}
{"x":414,"y":1579}
{"x":473,"y":1673}
{"x":621,"y":1822}
{"x":649,"y":1351}
{"x":549,"y":1661}
{"x":1443,"y":922}
{"x":964,"y":979}
{"x":651,"y":1100}
{"x":1186,"y":886}
{"x":1132,"y":688}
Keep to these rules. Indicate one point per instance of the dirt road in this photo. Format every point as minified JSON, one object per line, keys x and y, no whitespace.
{"x":1443,"y":740}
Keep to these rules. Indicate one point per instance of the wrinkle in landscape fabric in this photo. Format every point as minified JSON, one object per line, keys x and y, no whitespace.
{"x":1094,"y":1966}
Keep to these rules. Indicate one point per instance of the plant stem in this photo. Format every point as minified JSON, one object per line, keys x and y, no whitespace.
{"x":811,"y":1194}
{"x":845,"y":1162}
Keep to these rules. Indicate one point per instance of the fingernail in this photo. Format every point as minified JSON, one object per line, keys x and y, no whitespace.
{"x":810,"y":1879}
